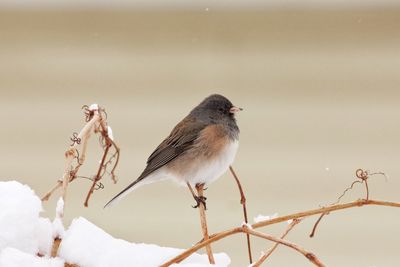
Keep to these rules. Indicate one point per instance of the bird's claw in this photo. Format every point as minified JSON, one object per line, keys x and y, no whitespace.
{"x":200,"y":200}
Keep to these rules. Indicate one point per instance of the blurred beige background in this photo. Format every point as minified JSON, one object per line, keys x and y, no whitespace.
{"x":320,"y":92}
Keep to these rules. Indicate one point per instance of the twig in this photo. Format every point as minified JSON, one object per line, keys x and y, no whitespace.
{"x":48,"y":194}
{"x":103,"y":129}
{"x":97,"y":177}
{"x":54,"y":248}
{"x":345,"y":191}
{"x":116,"y":156}
{"x":108,"y":142}
{"x":95,"y":123}
{"x":310,"y":256}
{"x":316,"y":224}
{"x":363,"y":177}
{"x":221,"y":235}
{"x":200,"y":188}
{"x":243,"y":202}
{"x":271,"y":250}
{"x":70,"y":154}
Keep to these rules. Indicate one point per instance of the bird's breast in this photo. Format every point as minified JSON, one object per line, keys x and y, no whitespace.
{"x":208,"y":158}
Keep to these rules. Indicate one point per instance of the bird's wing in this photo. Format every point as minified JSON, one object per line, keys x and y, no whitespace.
{"x":180,"y":139}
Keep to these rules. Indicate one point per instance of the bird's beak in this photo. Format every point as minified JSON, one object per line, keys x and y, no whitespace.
{"x":234,"y":109}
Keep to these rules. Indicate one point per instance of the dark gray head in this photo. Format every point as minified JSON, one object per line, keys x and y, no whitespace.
{"x":217,"y":109}
{"x":219,"y":105}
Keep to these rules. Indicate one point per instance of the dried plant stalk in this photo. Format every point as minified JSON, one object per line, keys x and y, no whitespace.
{"x":203,"y":221}
{"x":310,"y":256}
{"x":243,"y":202}
{"x":54,"y":248}
{"x":215,"y":237}
{"x":71,"y":154}
{"x":271,"y":250}
{"x":96,"y":123}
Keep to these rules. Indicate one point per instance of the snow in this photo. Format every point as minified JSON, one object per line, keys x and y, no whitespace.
{"x":11,"y":257}
{"x":247,"y":225}
{"x":58,"y":227}
{"x":261,"y":218}
{"x":87,"y":245}
{"x":24,"y":235}
{"x":93,"y":107}
{"x":20,"y":225}
{"x":110,"y":133}
{"x":60,"y":208}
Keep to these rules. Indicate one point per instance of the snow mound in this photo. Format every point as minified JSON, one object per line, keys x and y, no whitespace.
{"x":20,"y":225}
{"x":11,"y":257}
{"x":87,"y":245}
{"x":24,"y":234}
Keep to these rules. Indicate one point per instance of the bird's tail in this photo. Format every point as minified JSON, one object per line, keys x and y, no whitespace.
{"x":123,"y":193}
{"x":142,"y":180}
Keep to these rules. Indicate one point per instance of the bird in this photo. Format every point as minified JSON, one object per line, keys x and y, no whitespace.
{"x":199,"y":149}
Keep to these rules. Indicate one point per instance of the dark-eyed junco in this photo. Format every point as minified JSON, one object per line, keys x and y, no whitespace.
{"x":198,"y":150}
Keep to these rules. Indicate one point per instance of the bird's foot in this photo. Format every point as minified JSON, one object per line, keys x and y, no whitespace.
{"x":200,"y":200}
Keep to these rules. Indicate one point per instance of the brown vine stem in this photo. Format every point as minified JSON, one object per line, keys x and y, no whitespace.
{"x":96,"y":123}
{"x":316,"y":224}
{"x":310,"y":256}
{"x":226,"y":233}
{"x":243,"y":202}
{"x":70,"y":154}
{"x":109,"y":142}
{"x":271,"y":250}
{"x":97,"y":177}
{"x":203,"y":221}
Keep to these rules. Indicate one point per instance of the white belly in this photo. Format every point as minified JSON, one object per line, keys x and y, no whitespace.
{"x":210,"y":170}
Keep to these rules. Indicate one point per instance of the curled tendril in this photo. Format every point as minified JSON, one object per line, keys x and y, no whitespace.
{"x":78,"y":157}
{"x":361,"y":174}
{"x":88,"y":113}
{"x":363,"y":177}
{"x":345,"y":191}
{"x":75,"y":139}
{"x":98,"y":186}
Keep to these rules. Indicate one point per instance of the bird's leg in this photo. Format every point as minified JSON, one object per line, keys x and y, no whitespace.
{"x":198,"y":199}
